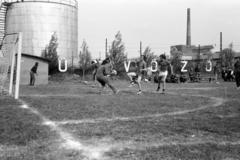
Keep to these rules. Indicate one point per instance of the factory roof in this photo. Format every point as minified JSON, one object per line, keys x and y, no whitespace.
{"x":35,"y":57}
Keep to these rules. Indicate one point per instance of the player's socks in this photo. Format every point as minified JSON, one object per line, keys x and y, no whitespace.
{"x":139,"y":92}
{"x":163,"y":91}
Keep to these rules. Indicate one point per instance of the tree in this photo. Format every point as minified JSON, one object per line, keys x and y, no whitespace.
{"x":85,"y":58}
{"x":149,"y":55}
{"x":117,"y":52}
{"x":227,"y":56}
{"x":50,"y":53}
{"x":176,"y":57}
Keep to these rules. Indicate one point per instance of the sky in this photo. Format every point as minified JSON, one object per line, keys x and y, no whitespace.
{"x":157,"y":23}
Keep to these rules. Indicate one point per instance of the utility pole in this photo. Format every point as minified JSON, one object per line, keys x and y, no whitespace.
{"x":106,"y":51}
{"x":140,"y":48}
{"x":72,"y":63}
{"x":221,"y":54}
{"x":100,"y":56}
{"x":220,"y":42}
{"x":199,"y":53}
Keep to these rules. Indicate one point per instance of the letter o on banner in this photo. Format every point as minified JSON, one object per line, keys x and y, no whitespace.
{"x":210,"y":66}
{"x":156,"y":66}
{"x":60,"y":64}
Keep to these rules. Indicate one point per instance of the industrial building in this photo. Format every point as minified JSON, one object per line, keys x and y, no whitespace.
{"x":27,"y":63}
{"x":39,"y":21}
{"x":191,"y":52}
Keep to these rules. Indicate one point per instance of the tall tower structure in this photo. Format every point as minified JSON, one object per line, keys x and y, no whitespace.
{"x":188,"y":40}
{"x":39,"y":20}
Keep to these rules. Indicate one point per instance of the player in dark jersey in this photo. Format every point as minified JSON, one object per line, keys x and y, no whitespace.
{"x":103,"y":73}
{"x":237,"y":72}
{"x":163,"y":66}
{"x":95,"y":66}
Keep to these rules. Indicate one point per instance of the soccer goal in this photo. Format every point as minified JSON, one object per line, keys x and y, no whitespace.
{"x":10,"y":64}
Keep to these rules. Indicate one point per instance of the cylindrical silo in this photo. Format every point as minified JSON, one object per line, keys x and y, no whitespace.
{"x":38,"y":20}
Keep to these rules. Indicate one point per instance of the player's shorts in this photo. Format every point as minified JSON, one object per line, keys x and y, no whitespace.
{"x":102,"y":80}
{"x":132,"y":74}
{"x":163,"y":75}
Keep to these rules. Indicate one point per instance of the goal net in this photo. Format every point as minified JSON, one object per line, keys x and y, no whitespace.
{"x":10,"y":58}
{"x":4,"y":67}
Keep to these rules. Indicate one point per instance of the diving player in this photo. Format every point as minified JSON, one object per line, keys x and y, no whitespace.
{"x":95,"y":64}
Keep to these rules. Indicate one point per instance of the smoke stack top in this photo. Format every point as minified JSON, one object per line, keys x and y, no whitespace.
{"x":188,"y":42}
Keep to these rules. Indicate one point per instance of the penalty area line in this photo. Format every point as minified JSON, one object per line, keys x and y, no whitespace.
{"x":68,"y":140}
{"x":216,"y":102}
{"x":143,"y":145}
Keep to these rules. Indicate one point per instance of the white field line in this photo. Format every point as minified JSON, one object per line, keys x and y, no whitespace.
{"x":215,"y":103}
{"x":69,"y":142}
{"x":200,"y":88}
{"x":53,"y":95}
{"x":96,"y":151}
{"x":143,"y":145}
{"x":79,"y":96}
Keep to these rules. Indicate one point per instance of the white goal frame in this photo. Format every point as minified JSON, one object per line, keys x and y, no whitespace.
{"x":16,"y":58}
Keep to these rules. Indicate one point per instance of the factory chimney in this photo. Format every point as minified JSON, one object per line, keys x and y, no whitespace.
{"x":188,"y":41}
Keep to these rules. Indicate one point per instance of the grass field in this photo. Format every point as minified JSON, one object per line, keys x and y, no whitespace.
{"x":72,"y":121}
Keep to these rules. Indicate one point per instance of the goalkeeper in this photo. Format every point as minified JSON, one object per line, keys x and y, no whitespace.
{"x":103,"y":73}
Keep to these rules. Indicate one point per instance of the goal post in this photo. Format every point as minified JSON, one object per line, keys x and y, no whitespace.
{"x":18,"y":69}
{"x":10,"y":59}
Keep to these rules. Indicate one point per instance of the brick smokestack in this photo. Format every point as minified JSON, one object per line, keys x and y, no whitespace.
{"x":188,"y":41}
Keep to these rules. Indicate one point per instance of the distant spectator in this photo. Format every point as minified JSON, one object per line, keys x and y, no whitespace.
{"x":183,"y":78}
{"x":191,"y":75}
{"x":216,"y":71}
{"x":230,"y":75}
{"x":237,"y":73}
{"x":33,"y":73}
{"x":197,"y":72}
{"x":224,"y":74}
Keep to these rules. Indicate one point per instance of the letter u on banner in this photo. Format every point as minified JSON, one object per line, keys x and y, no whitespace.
{"x":60,"y":64}
{"x":210,"y":66}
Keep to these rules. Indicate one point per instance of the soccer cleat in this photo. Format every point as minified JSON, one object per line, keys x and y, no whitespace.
{"x":163,"y":91}
{"x":116,"y":92}
{"x":139,"y":92}
{"x":158,"y":89}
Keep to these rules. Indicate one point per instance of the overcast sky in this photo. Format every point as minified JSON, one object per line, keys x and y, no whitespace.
{"x":157,"y":23}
